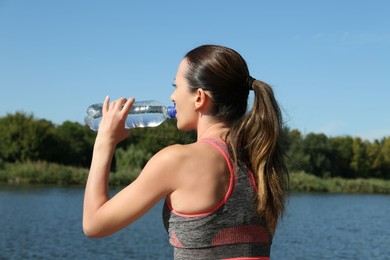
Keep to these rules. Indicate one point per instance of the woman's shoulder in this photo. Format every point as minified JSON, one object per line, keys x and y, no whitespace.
{"x":177,"y":152}
{"x":166,"y":167}
{"x":179,"y":155}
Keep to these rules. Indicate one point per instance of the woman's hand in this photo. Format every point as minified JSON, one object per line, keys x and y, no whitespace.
{"x":111,"y":132}
{"x":111,"y":127}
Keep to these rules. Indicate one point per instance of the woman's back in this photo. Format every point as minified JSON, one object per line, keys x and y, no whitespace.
{"x":231,"y":228}
{"x":202,"y":176}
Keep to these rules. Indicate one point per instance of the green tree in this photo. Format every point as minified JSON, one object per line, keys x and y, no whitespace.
{"x":153,"y":139}
{"x":317,"y":147}
{"x":374,"y":159}
{"x":385,"y":154}
{"x":75,"y":144}
{"x":359,"y":163}
{"x":297,"y":159}
{"x":23,"y":138}
{"x":341,"y":156}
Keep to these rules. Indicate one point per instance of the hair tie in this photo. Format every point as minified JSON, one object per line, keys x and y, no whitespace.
{"x":249,"y":82}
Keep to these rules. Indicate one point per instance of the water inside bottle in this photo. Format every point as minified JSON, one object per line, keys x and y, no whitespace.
{"x":142,"y":114}
{"x":144,"y":120}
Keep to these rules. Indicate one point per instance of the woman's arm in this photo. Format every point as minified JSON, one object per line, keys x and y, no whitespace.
{"x":103,"y":216}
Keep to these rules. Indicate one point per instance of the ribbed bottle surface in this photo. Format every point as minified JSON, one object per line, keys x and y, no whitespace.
{"x":148,"y":113}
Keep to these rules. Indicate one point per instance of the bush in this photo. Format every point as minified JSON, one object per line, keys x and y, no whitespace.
{"x":303,"y":182}
{"x":123,"y":177}
{"x":51,"y":173}
{"x":43,"y":173}
{"x":133,"y":157}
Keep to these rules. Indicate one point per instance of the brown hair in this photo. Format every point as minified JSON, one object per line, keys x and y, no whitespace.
{"x":255,"y":137}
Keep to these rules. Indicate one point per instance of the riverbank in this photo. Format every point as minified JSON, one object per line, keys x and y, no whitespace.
{"x":303,"y":182}
{"x":55,"y":174}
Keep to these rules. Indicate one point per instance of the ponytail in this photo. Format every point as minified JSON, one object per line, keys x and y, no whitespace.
{"x":254,"y":137}
{"x":258,"y":136}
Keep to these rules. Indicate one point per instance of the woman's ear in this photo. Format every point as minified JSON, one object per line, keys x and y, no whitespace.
{"x":201,"y":99}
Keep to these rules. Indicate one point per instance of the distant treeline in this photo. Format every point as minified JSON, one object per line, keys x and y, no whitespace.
{"x":341,"y":156}
{"x":25,"y":140}
{"x":29,"y":145}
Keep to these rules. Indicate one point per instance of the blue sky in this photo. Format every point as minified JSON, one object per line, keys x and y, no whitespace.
{"x":328,"y":61}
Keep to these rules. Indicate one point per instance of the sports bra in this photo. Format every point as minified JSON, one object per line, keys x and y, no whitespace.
{"x":231,"y":230}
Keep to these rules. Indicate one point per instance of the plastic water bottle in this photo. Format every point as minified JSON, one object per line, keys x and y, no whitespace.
{"x":147,"y":113}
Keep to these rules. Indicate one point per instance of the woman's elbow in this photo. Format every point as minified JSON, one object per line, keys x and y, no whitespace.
{"x":90,"y":230}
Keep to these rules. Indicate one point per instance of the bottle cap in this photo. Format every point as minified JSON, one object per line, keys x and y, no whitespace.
{"x":171,"y":111}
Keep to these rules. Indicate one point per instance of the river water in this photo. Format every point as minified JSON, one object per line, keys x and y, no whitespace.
{"x":45,"y":223}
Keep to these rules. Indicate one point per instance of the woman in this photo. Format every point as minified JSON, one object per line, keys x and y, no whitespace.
{"x":225,"y":192}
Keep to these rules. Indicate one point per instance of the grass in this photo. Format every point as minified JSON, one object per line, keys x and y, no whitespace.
{"x":42,"y":173}
{"x":303,"y":182}
{"x":51,"y":173}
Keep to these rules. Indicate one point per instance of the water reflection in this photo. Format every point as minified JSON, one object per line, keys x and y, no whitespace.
{"x":341,"y":226}
{"x":45,"y":223}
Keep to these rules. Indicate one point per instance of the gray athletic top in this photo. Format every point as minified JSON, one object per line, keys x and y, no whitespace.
{"x":233,"y":229}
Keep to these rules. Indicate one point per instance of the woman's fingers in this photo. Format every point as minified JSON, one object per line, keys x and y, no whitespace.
{"x":127,"y":106}
{"x":106,"y":104}
{"x":118,"y":104}
{"x":117,"y":110}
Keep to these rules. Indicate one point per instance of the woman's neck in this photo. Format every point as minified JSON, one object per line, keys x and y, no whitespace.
{"x":211,"y":128}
